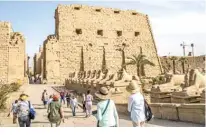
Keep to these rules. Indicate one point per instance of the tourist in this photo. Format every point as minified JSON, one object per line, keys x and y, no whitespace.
{"x":107,"y":115}
{"x":74,"y":105}
{"x":14,"y":110}
{"x":68,"y":97}
{"x":62,"y":97}
{"x":83,"y":102}
{"x":45,"y":98}
{"x":55,"y":112}
{"x":88,"y":105}
{"x":23,"y":109}
{"x":136,"y":105}
{"x":50,"y":99}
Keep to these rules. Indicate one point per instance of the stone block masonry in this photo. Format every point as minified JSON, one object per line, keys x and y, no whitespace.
{"x":190,"y":62}
{"x":37,"y":62}
{"x":12,"y":54}
{"x":94,"y":34}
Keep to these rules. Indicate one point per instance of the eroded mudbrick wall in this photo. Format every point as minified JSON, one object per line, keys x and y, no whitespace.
{"x":12,"y":54}
{"x":191,"y":62}
{"x":95,"y":30}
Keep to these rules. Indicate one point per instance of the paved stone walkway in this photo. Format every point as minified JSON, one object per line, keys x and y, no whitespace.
{"x":34,"y":91}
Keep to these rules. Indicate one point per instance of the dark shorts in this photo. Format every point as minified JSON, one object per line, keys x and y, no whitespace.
{"x":45,"y":102}
{"x":24,"y":121}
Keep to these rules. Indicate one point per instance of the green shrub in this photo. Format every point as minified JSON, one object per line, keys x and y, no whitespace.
{"x":5,"y":90}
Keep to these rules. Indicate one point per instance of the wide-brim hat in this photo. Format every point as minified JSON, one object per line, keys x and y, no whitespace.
{"x":23,"y":96}
{"x":133,"y":87}
{"x":103,"y":93}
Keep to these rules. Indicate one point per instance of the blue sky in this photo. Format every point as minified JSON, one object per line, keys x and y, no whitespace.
{"x":172,"y":22}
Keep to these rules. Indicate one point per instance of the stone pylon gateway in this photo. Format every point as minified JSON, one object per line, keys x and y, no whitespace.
{"x":87,"y":37}
{"x":12,"y":55}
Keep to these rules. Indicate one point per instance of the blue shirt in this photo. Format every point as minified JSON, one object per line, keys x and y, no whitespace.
{"x":136,"y":107}
{"x":110,"y":117}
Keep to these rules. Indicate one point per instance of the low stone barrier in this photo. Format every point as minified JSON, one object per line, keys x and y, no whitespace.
{"x":194,"y":113}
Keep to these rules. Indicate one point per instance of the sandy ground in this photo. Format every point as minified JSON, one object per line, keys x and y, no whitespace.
{"x":35,"y":91}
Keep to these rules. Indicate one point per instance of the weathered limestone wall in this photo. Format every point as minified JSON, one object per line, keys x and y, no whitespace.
{"x":93,"y":30}
{"x":37,"y":60}
{"x":25,"y":65}
{"x":5,"y":31}
{"x":196,"y":62}
{"x":16,"y":57}
{"x":12,"y":54}
{"x":51,"y":60}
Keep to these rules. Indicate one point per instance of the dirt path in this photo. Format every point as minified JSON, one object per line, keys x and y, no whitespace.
{"x":34,"y":91}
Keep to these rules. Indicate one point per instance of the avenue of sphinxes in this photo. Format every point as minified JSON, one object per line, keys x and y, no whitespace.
{"x":93,"y":47}
{"x":90,"y":47}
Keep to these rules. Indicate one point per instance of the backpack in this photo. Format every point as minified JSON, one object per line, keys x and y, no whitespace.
{"x":148,"y":111}
{"x":32,"y":112}
{"x":54,"y":112}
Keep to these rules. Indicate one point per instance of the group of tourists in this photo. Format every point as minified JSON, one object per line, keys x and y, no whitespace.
{"x":35,"y":79}
{"x":23,"y":111}
{"x":106,"y":113}
{"x":54,"y":106}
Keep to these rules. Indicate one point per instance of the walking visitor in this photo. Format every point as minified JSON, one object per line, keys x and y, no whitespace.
{"x":68,"y":98}
{"x":25,"y":111}
{"x":50,"y":99}
{"x":83,"y":102}
{"x":62,"y":97}
{"x":89,"y":99}
{"x":74,"y":105}
{"x":45,"y":98}
{"x":107,"y":115}
{"x":14,"y":110}
{"x":136,"y":105}
{"x":55,"y":112}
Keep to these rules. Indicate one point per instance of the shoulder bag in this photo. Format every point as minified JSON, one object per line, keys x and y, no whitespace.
{"x":104,"y":111}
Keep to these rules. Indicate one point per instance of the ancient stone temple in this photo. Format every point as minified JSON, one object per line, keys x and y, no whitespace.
{"x":12,"y":54}
{"x":38,"y":62}
{"x":88,"y":38}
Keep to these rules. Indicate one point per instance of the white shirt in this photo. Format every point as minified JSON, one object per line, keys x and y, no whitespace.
{"x":50,"y":100}
{"x":136,"y":107}
{"x":23,"y":108}
{"x":73,"y":102}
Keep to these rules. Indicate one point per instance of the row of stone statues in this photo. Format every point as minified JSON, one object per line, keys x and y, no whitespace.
{"x":180,"y":88}
{"x":93,"y":80}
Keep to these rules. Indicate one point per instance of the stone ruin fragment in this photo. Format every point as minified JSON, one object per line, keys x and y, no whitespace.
{"x":194,"y":85}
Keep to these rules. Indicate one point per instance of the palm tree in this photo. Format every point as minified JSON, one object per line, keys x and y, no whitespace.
{"x":183,"y":60}
{"x":139,"y":61}
{"x":173,"y":58}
